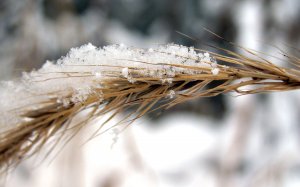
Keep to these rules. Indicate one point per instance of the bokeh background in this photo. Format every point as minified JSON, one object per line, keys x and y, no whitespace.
{"x":222,"y":141}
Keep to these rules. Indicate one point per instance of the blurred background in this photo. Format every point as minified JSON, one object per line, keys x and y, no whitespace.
{"x":222,"y":141}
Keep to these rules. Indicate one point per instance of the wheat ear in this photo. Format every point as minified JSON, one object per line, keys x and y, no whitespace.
{"x":108,"y":80}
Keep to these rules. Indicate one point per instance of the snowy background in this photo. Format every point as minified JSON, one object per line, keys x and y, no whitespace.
{"x":222,"y":141}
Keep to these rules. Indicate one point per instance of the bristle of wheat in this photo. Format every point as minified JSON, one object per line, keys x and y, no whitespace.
{"x":43,"y":103}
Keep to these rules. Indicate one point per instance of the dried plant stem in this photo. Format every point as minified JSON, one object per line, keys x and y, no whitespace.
{"x":124,"y":86}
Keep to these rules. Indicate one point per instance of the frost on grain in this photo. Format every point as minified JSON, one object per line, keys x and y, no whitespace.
{"x":74,"y":77}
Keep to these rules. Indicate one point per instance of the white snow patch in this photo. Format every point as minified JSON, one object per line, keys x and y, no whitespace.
{"x":215,"y":71}
{"x":73,"y":78}
{"x":171,"y":94}
{"x":125,"y":72}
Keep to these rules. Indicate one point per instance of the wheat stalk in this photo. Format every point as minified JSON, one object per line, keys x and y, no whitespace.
{"x":43,"y":103}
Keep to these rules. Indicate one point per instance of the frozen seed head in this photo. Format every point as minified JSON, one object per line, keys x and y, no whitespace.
{"x":83,"y":71}
{"x":116,"y":77}
{"x":86,"y":66}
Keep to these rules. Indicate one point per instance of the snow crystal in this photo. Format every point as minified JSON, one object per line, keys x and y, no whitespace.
{"x":80,"y":94}
{"x":167,"y":81}
{"x":97,"y":74}
{"x":171,"y":94}
{"x":131,"y":80}
{"x":206,"y":57}
{"x":200,"y":55}
{"x":215,"y":71}
{"x":125,"y":72}
{"x":65,"y":101}
{"x":122,"y":46}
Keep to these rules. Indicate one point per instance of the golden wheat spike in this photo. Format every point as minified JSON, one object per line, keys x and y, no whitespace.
{"x":42,"y":104}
